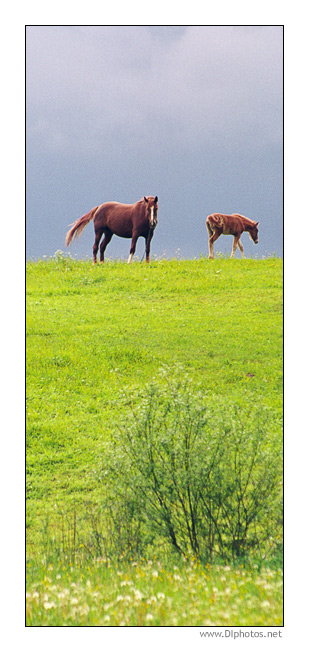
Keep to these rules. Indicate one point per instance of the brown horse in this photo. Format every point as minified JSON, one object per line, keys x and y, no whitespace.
{"x":124,"y":220}
{"x":230,"y":225}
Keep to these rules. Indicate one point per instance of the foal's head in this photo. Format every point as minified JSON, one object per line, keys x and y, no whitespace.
{"x":152,"y":210}
{"x":254,"y":232}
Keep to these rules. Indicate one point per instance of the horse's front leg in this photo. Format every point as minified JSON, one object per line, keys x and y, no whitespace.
{"x":133,"y":246}
{"x":148,"y":241}
{"x":241,"y":248}
{"x":235,"y":243}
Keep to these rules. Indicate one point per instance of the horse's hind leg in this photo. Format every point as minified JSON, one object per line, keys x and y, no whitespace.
{"x":210,"y":234}
{"x":235,"y":243}
{"x":107,"y":238}
{"x":241,"y":249}
{"x":211,"y":241}
{"x":98,"y":236}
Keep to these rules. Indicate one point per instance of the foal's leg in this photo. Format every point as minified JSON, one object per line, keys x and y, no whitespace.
{"x":235,"y":243}
{"x":241,"y":249}
{"x":107,"y":238}
{"x":211,"y":241}
{"x":133,"y":247}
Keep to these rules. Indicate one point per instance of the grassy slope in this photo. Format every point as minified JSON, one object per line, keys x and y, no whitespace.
{"x":91,"y":332}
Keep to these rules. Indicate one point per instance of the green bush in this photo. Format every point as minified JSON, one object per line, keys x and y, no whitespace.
{"x":203,"y":480}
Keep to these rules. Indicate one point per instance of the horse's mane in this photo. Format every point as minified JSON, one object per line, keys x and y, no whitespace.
{"x":246,"y":220}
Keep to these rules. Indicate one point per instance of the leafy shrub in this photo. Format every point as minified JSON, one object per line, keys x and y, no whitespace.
{"x":202,"y":480}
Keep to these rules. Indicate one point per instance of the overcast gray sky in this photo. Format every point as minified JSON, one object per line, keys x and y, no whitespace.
{"x":191,"y":114}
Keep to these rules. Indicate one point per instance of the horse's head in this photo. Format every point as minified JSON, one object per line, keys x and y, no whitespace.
{"x":254,"y":232}
{"x":152,"y":210}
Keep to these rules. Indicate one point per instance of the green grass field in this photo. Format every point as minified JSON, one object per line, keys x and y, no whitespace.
{"x":93,"y":334}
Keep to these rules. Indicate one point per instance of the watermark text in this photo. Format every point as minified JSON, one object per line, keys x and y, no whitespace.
{"x":241,"y":633}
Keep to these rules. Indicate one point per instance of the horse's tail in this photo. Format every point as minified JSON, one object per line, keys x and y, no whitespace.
{"x":79,"y":225}
{"x":209,"y":229}
{"x":212,"y":221}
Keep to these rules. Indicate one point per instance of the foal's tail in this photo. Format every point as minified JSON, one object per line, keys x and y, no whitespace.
{"x":216,"y":219}
{"x":209,"y":229}
{"x":79,"y":225}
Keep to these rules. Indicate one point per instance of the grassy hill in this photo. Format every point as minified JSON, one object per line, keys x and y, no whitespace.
{"x":98,"y":334}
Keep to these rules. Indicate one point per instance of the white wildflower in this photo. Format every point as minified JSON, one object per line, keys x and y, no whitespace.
{"x":127,"y":598}
{"x":152,"y":599}
{"x":137,"y":594}
{"x":107,"y":606}
{"x":49,"y":605}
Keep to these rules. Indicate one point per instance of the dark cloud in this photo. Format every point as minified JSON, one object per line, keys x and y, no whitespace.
{"x":184,"y":112}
